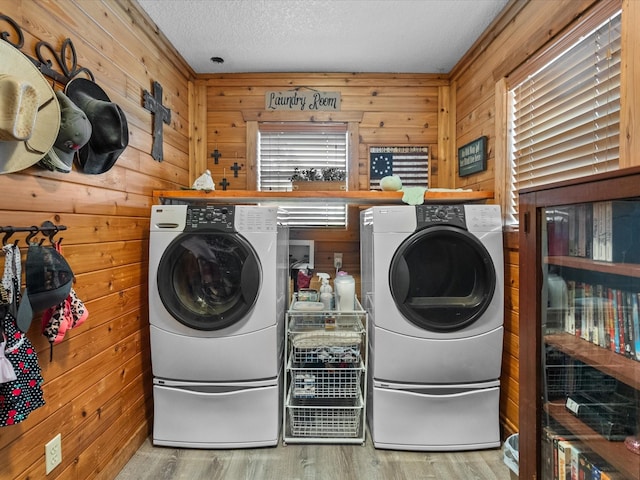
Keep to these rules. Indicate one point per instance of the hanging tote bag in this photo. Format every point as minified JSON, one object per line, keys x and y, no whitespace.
{"x":20,"y":397}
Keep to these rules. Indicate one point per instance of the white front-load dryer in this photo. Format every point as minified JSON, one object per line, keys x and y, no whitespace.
{"x":432,"y":284}
{"x":433,"y":280}
{"x":217,"y":298}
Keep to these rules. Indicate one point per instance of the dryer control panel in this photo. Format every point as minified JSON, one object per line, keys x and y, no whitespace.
{"x":428,"y":215}
{"x":219,"y":218}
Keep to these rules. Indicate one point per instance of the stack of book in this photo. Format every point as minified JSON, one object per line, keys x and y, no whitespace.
{"x":605,"y":316}
{"x":605,"y":231}
{"x":566,"y":458}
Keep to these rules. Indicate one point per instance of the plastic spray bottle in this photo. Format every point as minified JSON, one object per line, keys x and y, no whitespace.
{"x":326,"y":292}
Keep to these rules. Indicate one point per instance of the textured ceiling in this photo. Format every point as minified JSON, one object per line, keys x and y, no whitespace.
{"x":386,"y":36}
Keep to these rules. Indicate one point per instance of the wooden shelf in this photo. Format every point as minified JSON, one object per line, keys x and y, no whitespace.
{"x":351,"y":197}
{"x":626,"y":269}
{"x":613,"y":364}
{"x":615,"y":453}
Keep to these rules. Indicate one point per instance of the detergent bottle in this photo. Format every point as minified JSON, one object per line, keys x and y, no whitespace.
{"x":326,"y":292}
{"x":345,"y":291}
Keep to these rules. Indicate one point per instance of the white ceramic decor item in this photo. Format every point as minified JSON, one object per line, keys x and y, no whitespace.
{"x":204,"y":182}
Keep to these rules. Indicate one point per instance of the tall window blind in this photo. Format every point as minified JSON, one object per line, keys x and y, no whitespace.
{"x":284,"y":149}
{"x":566,"y":116}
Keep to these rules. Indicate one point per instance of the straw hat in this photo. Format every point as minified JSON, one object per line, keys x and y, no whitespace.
{"x":30,"y":112}
{"x":18,"y":108}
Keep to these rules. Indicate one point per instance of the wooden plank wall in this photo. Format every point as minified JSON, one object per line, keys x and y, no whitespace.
{"x":98,"y":386}
{"x":524,"y":29}
{"x":396,"y":110}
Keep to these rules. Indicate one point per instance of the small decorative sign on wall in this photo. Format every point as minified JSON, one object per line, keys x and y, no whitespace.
{"x":472,"y":157}
{"x":313,"y":100}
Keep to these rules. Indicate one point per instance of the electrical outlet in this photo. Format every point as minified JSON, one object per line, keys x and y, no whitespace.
{"x":53,"y":453}
{"x":337,"y":260}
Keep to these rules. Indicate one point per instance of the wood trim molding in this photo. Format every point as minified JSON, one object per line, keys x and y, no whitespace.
{"x":629,"y":79}
{"x":252,"y":153}
{"x":502,"y":184}
{"x":353,"y":137}
{"x":197,"y":129}
{"x":446,"y":137}
{"x":361,"y":197}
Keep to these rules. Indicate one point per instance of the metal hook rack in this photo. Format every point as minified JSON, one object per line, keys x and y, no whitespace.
{"x":45,"y":50}
{"x":47,"y":227}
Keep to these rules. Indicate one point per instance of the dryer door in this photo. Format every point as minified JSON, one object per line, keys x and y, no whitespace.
{"x":442,"y":278}
{"x":209,"y":281}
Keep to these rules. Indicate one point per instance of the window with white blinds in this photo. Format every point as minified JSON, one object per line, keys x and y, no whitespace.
{"x":285,"y":149}
{"x":565,"y":117}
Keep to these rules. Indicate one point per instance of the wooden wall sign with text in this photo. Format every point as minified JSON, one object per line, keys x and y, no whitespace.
{"x":296,"y":100}
{"x":472,"y":157}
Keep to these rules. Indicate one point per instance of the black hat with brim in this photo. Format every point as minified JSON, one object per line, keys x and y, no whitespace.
{"x":110,"y":131}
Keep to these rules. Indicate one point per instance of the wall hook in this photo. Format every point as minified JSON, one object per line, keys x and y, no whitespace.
{"x":7,"y":235}
{"x":34,"y":231}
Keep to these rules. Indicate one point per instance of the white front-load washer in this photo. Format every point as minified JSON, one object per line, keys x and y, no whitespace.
{"x":433,"y":286}
{"x":217,"y":298}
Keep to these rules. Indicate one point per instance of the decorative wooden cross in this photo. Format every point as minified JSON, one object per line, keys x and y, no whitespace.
{"x":235,"y":168}
{"x":160,"y":114}
{"x":216,"y":155}
{"x":224,"y":184}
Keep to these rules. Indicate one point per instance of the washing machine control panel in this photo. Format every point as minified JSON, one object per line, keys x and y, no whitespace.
{"x":428,"y":215}
{"x":218,"y":218}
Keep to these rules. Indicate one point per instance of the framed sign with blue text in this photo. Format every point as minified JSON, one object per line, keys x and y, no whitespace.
{"x":472,"y":157}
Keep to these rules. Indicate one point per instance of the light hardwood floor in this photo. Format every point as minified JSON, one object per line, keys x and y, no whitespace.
{"x":312,"y":462}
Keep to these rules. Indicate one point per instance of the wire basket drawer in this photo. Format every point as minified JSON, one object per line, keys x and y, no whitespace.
{"x":351,"y":321}
{"x":319,"y":347}
{"x":331,"y":420}
{"x":326,"y":382}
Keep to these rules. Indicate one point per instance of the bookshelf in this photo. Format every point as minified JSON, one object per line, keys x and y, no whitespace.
{"x":580,"y":333}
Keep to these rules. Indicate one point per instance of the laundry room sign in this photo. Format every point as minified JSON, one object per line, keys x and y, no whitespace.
{"x":300,"y":100}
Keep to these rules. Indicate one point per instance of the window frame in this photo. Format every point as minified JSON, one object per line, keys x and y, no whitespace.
{"x":306,"y":216}
{"x":505,"y":195}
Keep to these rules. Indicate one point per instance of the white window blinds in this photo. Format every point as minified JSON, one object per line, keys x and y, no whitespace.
{"x":565,"y":116}
{"x":290,"y":148}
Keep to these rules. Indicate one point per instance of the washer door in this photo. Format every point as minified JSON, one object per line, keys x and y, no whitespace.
{"x":442,"y":278}
{"x":209,"y":281}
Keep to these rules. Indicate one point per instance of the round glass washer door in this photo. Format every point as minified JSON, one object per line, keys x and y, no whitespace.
{"x":442,"y":279}
{"x":209,"y":281}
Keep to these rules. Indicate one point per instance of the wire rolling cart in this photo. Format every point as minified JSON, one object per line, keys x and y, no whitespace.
{"x":325,"y":376}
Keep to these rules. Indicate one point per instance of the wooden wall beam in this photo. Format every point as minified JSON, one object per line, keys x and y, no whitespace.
{"x":629,"y":80}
